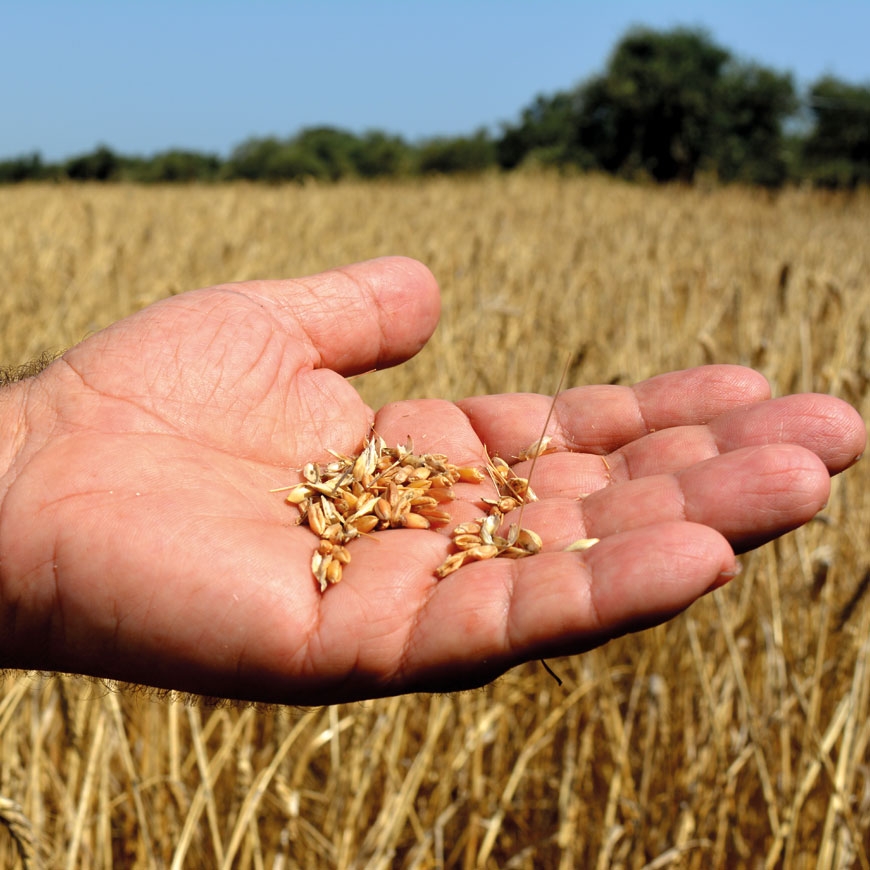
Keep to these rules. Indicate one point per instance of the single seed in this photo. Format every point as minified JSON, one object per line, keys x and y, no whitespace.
{"x":471,"y":475}
{"x":489,"y":527}
{"x":316,"y":519}
{"x":334,"y":533}
{"x":330,"y":512}
{"x":582,"y":544}
{"x":466,"y":542}
{"x":298,"y":494}
{"x":364,"y":505}
{"x":484,"y":551}
{"x":538,"y":448}
{"x":450,"y":564}
{"x":467,"y":529}
{"x":402,"y":474}
{"x":414,"y":521}
{"x":419,"y":485}
{"x":351,"y":500}
{"x":434,"y":515}
{"x":365,"y":524}
{"x":529,"y":541}
{"x":333,"y":571}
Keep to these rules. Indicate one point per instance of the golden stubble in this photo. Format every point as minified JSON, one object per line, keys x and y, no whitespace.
{"x":734,"y":736}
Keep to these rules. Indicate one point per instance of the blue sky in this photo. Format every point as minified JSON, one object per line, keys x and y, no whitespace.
{"x":143,"y":77}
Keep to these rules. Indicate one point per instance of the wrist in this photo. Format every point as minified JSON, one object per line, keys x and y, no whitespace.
{"x":14,"y":388}
{"x":18,"y":625}
{"x":12,"y":429}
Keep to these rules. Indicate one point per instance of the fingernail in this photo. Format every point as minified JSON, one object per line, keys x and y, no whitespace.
{"x":726,"y":576}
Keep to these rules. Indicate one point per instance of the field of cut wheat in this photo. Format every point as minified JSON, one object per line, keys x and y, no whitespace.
{"x":735,"y":736}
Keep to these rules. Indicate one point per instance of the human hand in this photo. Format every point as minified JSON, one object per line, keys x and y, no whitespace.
{"x":140,"y":539}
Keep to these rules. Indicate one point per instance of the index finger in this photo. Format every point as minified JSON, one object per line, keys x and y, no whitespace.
{"x":601,"y":419}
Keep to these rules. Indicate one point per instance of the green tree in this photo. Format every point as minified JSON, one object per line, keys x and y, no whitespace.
{"x":179,"y":165}
{"x":668,"y":105}
{"x":377,"y":154}
{"x":249,"y":159}
{"x":837,"y":149}
{"x":457,"y":154}
{"x":324,"y":153}
{"x":752,"y":104}
{"x":330,"y":149}
{"x":546,"y":129}
{"x":270,"y":159}
{"x":27,"y":167}
{"x":652,"y":110}
{"x":102,"y":164}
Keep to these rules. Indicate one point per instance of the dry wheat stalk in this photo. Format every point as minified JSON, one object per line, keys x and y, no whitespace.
{"x":696,"y":273}
{"x":21,"y":829}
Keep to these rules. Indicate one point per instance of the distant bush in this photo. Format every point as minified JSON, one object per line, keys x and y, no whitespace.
{"x":837,"y":150}
{"x":28,"y":167}
{"x":179,"y":165}
{"x":100,"y":165}
{"x":459,"y":154}
{"x":378,"y":155}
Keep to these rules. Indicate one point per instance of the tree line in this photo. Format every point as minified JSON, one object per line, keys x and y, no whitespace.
{"x":669,"y":106}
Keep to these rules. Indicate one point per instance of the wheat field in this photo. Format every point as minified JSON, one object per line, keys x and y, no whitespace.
{"x":734,"y":736}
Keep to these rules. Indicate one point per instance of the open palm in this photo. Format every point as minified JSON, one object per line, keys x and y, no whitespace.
{"x":140,"y":537}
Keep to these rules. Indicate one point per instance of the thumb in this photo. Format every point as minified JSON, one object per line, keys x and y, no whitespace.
{"x":356,"y":318}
